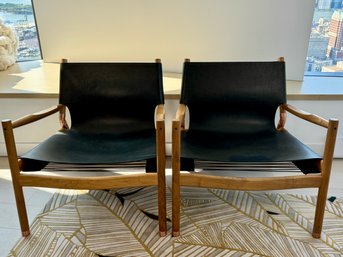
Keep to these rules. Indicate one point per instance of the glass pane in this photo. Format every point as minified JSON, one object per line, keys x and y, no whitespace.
{"x":325,"y":51}
{"x":18,"y":15}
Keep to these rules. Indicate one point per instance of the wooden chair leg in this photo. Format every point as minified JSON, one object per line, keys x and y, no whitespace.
{"x":162,"y":208}
{"x":161,"y":168}
{"x":326,"y":171}
{"x":319,"y":215}
{"x":321,"y":198}
{"x":162,"y":201}
{"x":14,"y":164}
{"x":21,"y":209}
{"x":176,"y":203}
{"x":176,"y":179}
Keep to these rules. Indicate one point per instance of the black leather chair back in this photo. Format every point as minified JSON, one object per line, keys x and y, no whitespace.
{"x":111,"y":97}
{"x":233,"y":97}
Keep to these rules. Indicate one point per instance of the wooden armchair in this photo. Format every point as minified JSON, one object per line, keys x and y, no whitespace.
{"x":232,"y":108}
{"x":117,"y":116}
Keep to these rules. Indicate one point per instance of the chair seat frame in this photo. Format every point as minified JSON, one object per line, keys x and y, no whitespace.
{"x":22,"y":179}
{"x":319,"y":180}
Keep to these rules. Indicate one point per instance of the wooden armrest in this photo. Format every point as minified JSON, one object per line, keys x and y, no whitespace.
{"x":304,"y":115}
{"x":181,"y":116}
{"x":37,"y":116}
{"x":160,"y":112}
{"x":160,"y":142}
{"x":331,"y":125}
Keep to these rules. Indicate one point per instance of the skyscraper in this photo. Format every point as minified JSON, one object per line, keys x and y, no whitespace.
{"x":335,"y":35}
{"x":317,"y":45}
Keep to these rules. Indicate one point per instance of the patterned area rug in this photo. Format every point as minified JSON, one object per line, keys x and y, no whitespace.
{"x":214,"y":223}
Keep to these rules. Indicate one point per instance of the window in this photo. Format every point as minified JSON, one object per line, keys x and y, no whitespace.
{"x":325,"y":51}
{"x":18,"y":14}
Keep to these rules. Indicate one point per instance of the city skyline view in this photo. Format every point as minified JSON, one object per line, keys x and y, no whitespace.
{"x":325,"y":51}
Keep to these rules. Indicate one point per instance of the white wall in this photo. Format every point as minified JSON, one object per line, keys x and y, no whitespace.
{"x":31,"y":135}
{"x":315,"y":135}
{"x":142,"y":30}
{"x":28,"y":136}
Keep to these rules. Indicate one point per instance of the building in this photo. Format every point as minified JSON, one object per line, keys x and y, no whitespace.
{"x":316,"y":65}
{"x":335,"y":68}
{"x":335,"y":35}
{"x":317,"y":45}
{"x":328,"y":4}
{"x":324,"y":4}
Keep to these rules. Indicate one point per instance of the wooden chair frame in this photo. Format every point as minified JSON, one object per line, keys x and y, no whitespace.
{"x":21,"y":179}
{"x":320,"y":180}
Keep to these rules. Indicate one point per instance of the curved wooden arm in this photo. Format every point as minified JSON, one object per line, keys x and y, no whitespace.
{"x":159,"y":117}
{"x":181,"y":116}
{"x":63,"y":122}
{"x":36,"y":116}
{"x":282,"y":119}
{"x":160,"y":112}
{"x":301,"y":114}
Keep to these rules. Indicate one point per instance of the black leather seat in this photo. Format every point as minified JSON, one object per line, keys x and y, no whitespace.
{"x":112,"y":114}
{"x":232,"y":107}
{"x":112,"y":111}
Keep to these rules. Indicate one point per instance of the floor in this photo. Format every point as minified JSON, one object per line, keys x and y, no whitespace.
{"x":37,"y":197}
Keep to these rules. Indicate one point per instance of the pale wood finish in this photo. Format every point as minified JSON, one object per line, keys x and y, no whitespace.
{"x":161,"y":166}
{"x":181,"y":116}
{"x":326,"y":171}
{"x":254,"y":184}
{"x":36,"y":116}
{"x":75,"y":182}
{"x":15,"y":173}
{"x":320,"y":181}
{"x":178,"y":124}
{"x":305,"y":115}
{"x":21,"y":179}
{"x":176,"y":177}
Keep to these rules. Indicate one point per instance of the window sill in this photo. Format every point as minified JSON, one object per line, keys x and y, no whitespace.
{"x":37,"y":79}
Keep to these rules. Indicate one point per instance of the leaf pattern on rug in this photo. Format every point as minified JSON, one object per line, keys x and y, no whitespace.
{"x":143,"y":228}
{"x":301,"y":211}
{"x":106,"y":232}
{"x":246,"y":203}
{"x":195,"y":216}
{"x":248,"y":239}
{"x":266,"y":242}
{"x":333,"y":207}
{"x":61,"y":198}
{"x":66,"y":220}
{"x":209,"y":235}
{"x":51,"y":243}
{"x":213,"y":223}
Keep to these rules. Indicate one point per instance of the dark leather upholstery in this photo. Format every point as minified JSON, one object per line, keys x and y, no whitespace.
{"x":232,"y":108}
{"x":112,"y":114}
